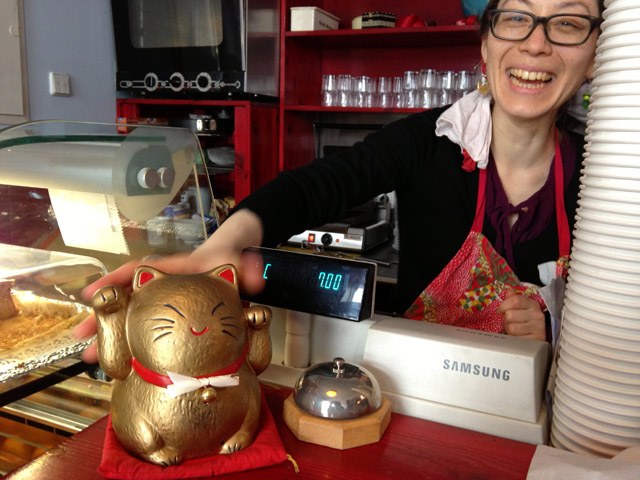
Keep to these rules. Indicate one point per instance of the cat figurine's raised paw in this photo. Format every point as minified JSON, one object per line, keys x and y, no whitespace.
{"x":185,"y":356}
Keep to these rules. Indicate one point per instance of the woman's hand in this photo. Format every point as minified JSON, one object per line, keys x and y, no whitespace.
{"x":225,"y":246}
{"x":523,"y":316}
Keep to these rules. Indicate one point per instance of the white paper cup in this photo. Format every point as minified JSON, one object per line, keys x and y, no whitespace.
{"x":601,"y":444}
{"x":614,"y":423}
{"x":607,"y":435}
{"x":620,"y":53}
{"x":607,"y":295}
{"x":574,"y":338}
{"x":590,"y":376}
{"x":626,"y":416}
{"x":617,"y":184}
{"x":603,"y":152}
{"x":618,"y":259}
{"x":580,"y":413}
{"x":592,"y":427}
{"x":593,"y":391}
{"x":608,"y":207}
{"x":611,"y":195}
{"x":611,"y":259}
{"x":578,"y":264}
{"x":616,"y":41}
{"x":627,"y":172}
{"x":605,"y":320}
{"x":618,"y":89}
{"x":621,"y":76}
{"x":604,"y":66}
{"x":616,"y":367}
{"x":612,"y":101}
{"x":607,"y":240}
{"x":597,"y":112}
{"x":558,"y":439}
{"x":628,"y":140}
{"x":619,"y":36}
{"x":613,"y":17}
{"x":626,"y":26}
{"x":619,"y":234}
{"x":619,"y":6}
{"x":596,"y":312}
{"x":628,"y":338}
{"x":613,"y":125}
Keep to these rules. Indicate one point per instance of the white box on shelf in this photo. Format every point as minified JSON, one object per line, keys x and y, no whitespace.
{"x":312,"y":18}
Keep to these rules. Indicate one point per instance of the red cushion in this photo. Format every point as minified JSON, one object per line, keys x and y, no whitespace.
{"x":266,"y":450}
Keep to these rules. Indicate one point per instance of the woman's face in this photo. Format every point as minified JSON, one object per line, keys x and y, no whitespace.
{"x":557,"y":70}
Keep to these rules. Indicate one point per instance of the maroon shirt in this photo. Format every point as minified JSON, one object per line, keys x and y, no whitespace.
{"x":535,"y":213}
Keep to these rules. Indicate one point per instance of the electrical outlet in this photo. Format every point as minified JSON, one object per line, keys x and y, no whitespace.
{"x":59,"y":84}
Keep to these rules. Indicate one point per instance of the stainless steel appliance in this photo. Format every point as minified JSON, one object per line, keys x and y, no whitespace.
{"x":197,"y":48}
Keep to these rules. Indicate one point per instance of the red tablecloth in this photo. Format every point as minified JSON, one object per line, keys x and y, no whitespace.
{"x":410,"y":448}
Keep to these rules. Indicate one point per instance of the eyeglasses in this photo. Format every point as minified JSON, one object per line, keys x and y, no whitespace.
{"x":560,"y":29}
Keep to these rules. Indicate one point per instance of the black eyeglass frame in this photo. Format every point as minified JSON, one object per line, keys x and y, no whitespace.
{"x":594,"y":22}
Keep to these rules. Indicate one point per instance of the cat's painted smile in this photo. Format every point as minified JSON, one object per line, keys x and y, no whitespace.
{"x":202,"y":332}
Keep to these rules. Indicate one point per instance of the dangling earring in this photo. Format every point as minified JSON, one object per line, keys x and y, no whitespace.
{"x":483,"y":82}
{"x":586,"y":96}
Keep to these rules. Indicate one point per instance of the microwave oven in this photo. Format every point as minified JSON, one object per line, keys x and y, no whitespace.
{"x":196,"y":48}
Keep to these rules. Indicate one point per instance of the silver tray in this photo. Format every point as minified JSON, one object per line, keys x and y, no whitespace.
{"x":43,"y":351}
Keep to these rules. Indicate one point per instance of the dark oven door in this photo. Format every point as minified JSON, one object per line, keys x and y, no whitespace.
{"x":179,"y":47}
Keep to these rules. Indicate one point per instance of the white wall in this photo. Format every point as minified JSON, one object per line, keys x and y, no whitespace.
{"x":73,"y":37}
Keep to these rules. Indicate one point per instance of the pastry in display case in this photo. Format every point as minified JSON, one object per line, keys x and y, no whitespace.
{"x":40,"y":305}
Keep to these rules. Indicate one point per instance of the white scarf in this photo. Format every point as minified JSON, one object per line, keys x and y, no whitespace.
{"x":468,"y":123}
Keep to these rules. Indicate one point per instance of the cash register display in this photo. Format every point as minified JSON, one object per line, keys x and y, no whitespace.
{"x":317,"y":284}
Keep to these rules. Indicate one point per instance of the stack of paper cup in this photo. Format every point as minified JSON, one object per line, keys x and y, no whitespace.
{"x":596,"y":409}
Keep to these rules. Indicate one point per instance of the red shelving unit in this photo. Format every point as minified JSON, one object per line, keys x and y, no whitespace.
{"x":306,"y":56}
{"x":254,"y":137}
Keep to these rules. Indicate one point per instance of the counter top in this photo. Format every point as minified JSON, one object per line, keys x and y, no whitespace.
{"x":410,"y":448}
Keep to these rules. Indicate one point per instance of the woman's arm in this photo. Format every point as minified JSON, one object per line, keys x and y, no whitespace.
{"x":241,"y":230}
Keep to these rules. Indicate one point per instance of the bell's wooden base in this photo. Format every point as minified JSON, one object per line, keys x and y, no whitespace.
{"x":340,"y":434}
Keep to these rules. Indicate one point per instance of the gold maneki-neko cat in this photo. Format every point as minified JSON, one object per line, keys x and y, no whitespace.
{"x":185,"y":355}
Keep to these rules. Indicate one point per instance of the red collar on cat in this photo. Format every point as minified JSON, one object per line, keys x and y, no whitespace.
{"x":160,"y":380}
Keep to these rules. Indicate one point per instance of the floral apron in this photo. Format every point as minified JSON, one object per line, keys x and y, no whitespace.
{"x":469,"y":290}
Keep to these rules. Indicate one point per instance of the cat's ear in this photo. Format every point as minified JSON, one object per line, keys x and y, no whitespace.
{"x":226,"y":272}
{"x":145,"y":275}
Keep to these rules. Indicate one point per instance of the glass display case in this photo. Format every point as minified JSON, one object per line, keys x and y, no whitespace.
{"x":78,"y":200}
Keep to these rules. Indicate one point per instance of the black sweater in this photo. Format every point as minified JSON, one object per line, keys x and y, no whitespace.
{"x":436,"y":199}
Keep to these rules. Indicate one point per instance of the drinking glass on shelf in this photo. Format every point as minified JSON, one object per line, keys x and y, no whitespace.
{"x":370,"y":99}
{"x":329,"y":90}
{"x":398,"y":92}
{"x":344,"y":90}
{"x":447,"y":81}
{"x":428,"y":87}
{"x":359,"y":91}
{"x":410,"y":87}
{"x":385,"y":92}
{"x":466,"y":83}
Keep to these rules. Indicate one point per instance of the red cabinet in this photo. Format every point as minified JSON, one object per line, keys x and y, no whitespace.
{"x":254,"y":137}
